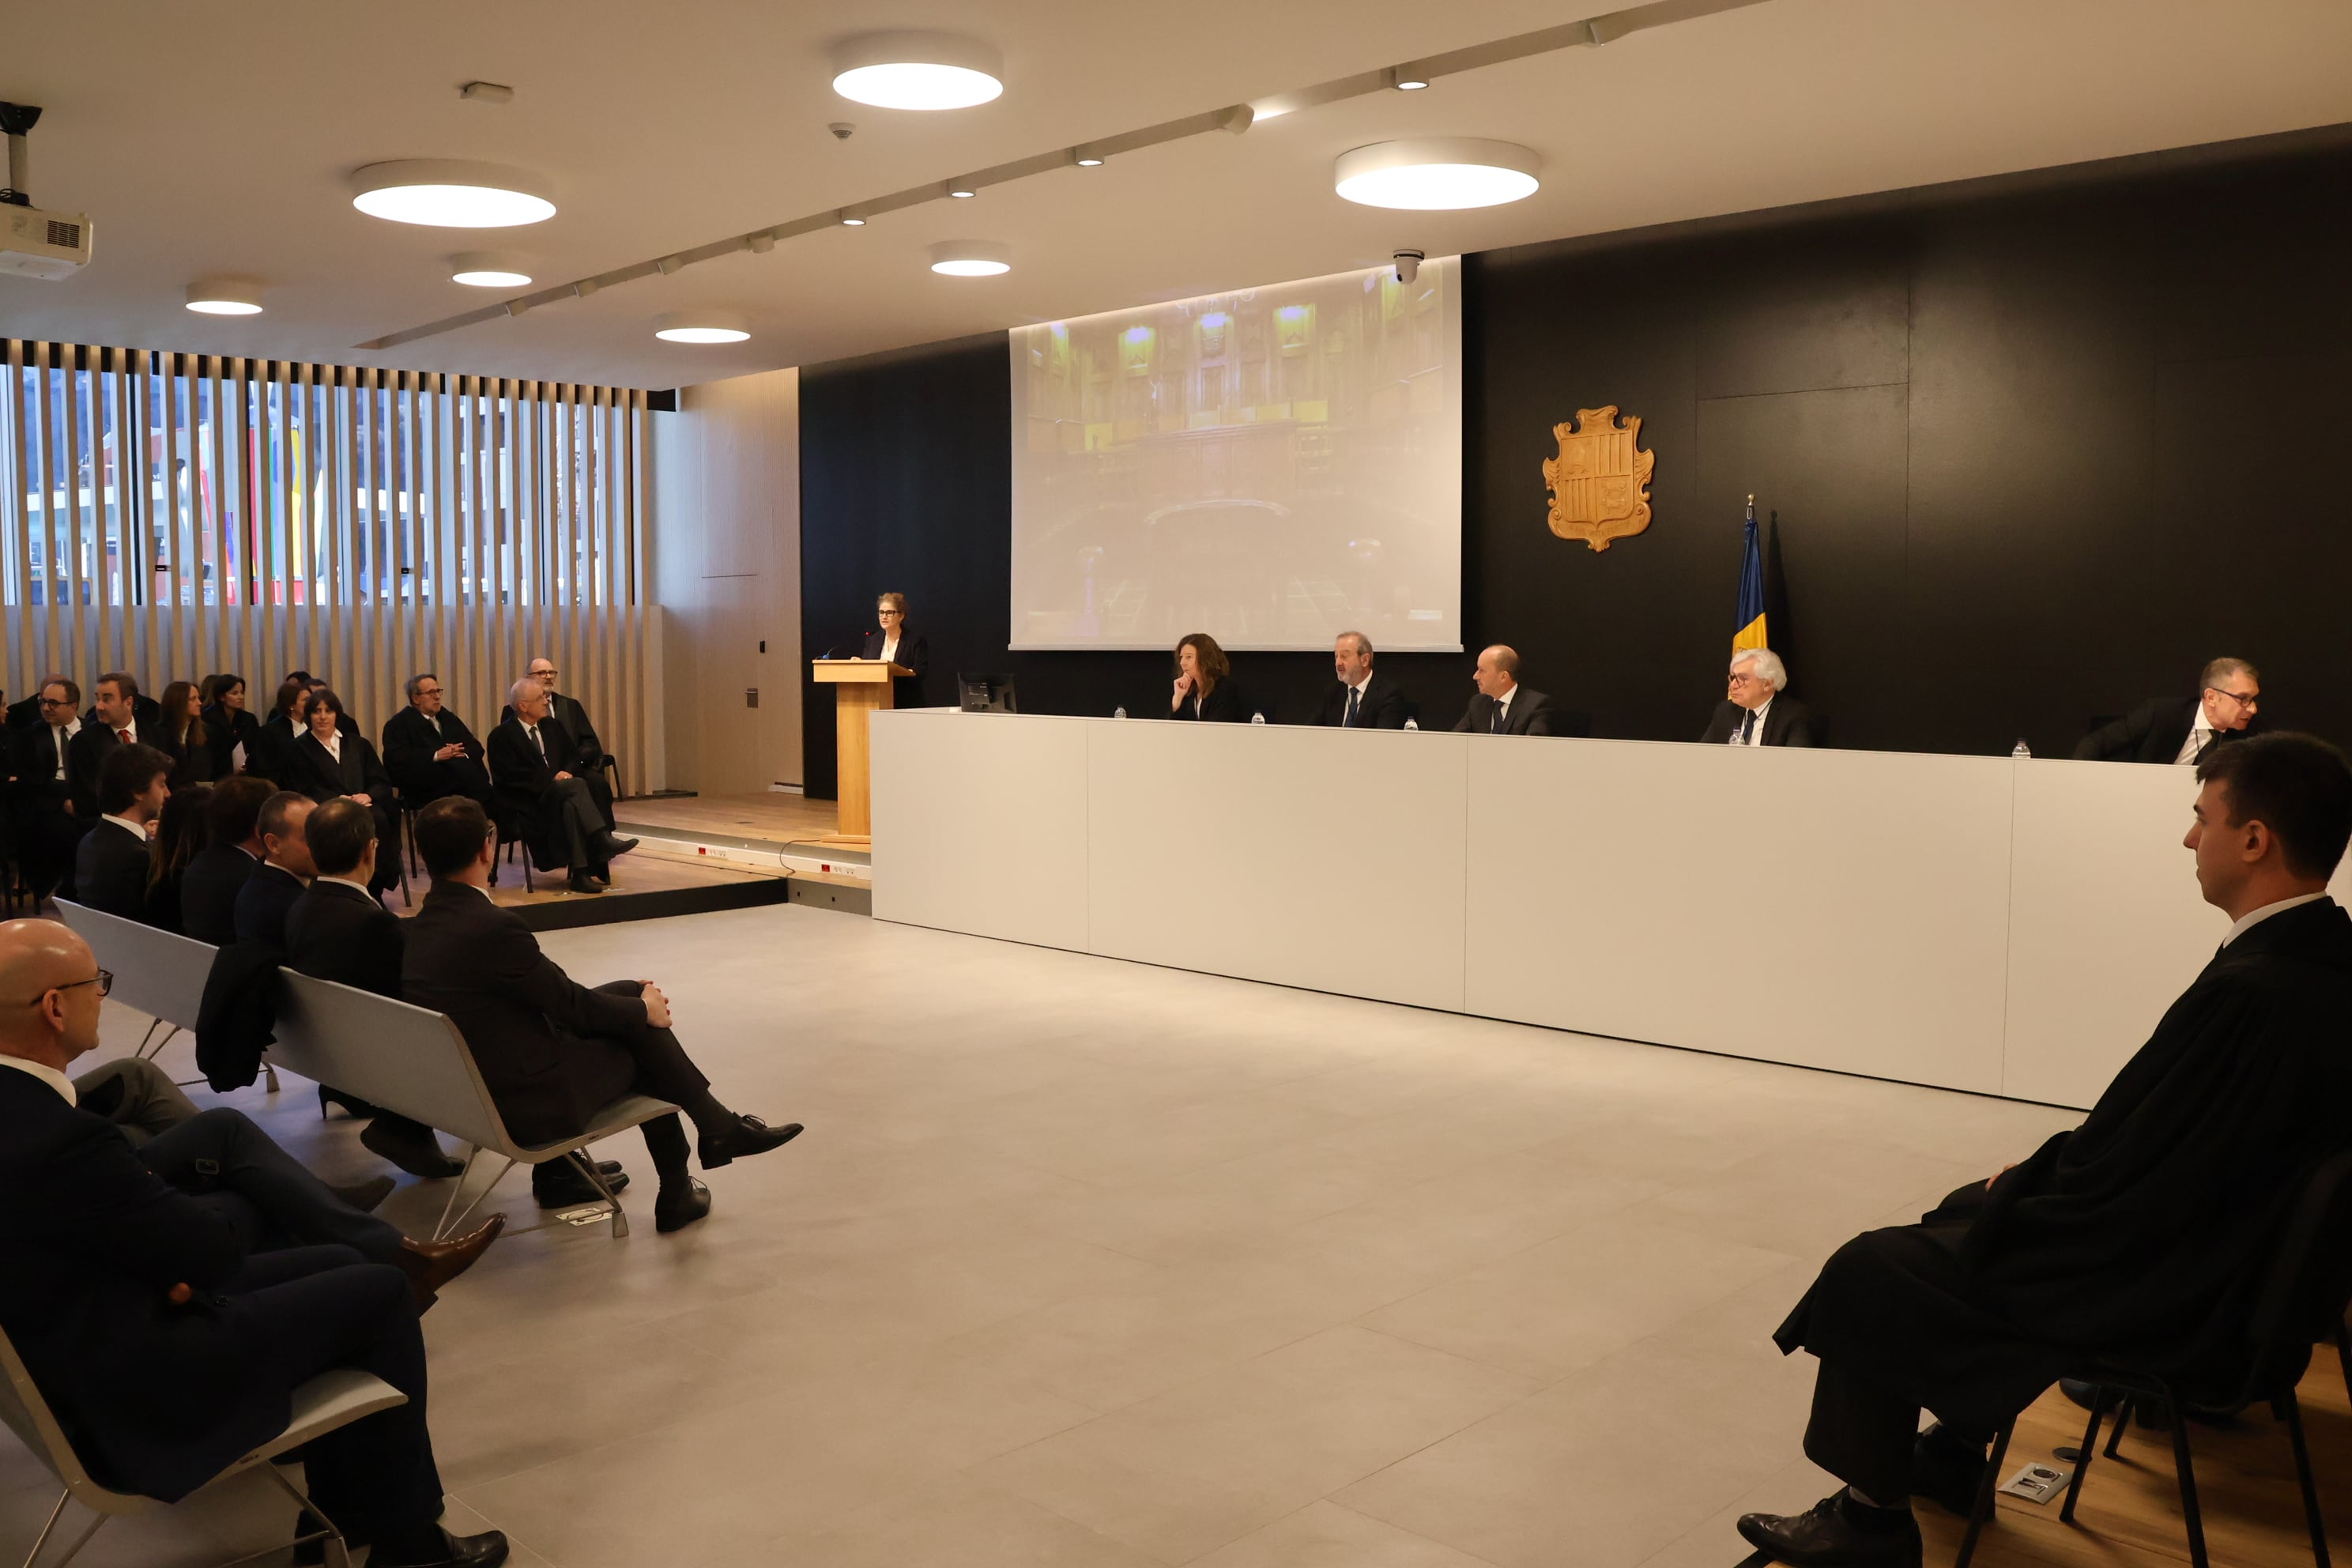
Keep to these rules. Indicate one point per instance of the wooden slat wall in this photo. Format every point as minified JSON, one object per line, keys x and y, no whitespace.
{"x":176,"y":515}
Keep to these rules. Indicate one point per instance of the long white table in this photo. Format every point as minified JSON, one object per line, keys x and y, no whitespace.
{"x":2004,"y":927}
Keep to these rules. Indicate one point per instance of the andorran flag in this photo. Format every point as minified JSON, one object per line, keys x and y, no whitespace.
{"x":1748,"y":625}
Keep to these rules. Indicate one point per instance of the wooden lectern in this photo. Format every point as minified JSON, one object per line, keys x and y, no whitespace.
{"x":861,"y":685}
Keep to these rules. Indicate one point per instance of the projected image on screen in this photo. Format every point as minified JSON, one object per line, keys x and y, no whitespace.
{"x":1273,"y":466}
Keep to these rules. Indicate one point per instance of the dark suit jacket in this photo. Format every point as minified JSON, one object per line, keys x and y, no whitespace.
{"x":24,"y":712}
{"x":195,"y":762}
{"x":229,"y":729}
{"x":156,"y":1398}
{"x":145,"y":712}
{"x":336,"y":933}
{"x":110,"y":871}
{"x":410,"y":738}
{"x":86,"y":752}
{"x":34,"y":763}
{"x":1382,"y":707}
{"x":907,"y":691}
{"x":2152,"y":732}
{"x":208,"y":892}
{"x":315,"y":772}
{"x":263,"y":903}
{"x":1225,"y":704}
{"x":1788,"y":724}
{"x":587,"y":751}
{"x":1531,"y":714}
{"x":527,"y":1022}
{"x":269,"y":750}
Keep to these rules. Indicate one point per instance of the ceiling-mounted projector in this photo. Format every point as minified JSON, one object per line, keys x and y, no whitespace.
{"x":32,"y":243}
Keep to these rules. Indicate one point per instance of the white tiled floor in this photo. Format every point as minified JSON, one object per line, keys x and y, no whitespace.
{"x":1092,"y":1264}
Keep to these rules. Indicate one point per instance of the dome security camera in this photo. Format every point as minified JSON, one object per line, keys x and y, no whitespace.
{"x":841,"y":130}
{"x":1408,"y":264}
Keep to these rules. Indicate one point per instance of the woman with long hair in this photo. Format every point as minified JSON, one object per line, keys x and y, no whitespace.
{"x":229,"y":722}
{"x":179,"y":833}
{"x":185,"y":737}
{"x":1204,"y":684}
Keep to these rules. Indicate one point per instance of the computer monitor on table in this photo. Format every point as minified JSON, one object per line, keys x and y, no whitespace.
{"x":987,"y":693}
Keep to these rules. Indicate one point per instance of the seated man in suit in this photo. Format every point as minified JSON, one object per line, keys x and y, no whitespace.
{"x":49,"y":826}
{"x":1504,"y":707}
{"x":168,"y":1348}
{"x":2138,"y":1232}
{"x":27,"y":712}
{"x":554,"y":1053}
{"x":339,"y":930}
{"x":587,"y":751}
{"x":209,"y":887}
{"x":428,"y":751}
{"x":111,"y":865}
{"x":531,"y":766}
{"x":2182,"y":729}
{"x":112,"y":720}
{"x":1753,"y":712}
{"x":1363,"y":698}
{"x":268,"y":895}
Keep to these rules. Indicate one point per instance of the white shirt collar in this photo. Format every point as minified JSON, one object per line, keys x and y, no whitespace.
{"x":124,"y":823}
{"x":345,"y":883}
{"x":2250,"y":921}
{"x":1503,"y":701}
{"x":1359,"y":687}
{"x":47,"y":1074}
{"x":73,"y":727}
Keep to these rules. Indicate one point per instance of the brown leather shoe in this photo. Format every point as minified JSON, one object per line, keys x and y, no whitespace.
{"x":430,"y":1264}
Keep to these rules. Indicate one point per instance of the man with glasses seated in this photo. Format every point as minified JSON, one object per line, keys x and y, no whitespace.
{"x":168,"y":1343}
{"x":48,"y":827}
{"x":2179,"y":729}
{"x":430,"y":752}
{"x":1753,"y":712}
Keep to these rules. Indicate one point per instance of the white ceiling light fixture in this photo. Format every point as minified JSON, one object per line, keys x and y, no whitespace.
{"x":701,"y":327}
{"x":848,"y":221}
{"x":1405,"y":80}
{"x":489,"y":269}
{"x":918,"y":71}
{"x":225,"y":297}
{"x":1437,"y":174}
{"x":449,"y":193}
{"x":971,"y":258}
{"x":1085,"y":158}
{"x":961,"y":190}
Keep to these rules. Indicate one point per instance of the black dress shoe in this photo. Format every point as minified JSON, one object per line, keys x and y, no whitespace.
{"x":747,"y":1136}
{"x":1947,"y":1470}
{"x":612,"y":847}
{"x":560,"y":1184}
{"x":369,"y":1195}
{"x":676,"y":1210}
{"x":1836,"y":1532}
{"x":582,"y":882}
{"x":486,"y":1550}
{"x":411,"y":1147}
{"x":608,"y":1169}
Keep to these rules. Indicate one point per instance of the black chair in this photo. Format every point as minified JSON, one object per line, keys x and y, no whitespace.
{"x":511,"y":832}
{"x":2304,"y":1294}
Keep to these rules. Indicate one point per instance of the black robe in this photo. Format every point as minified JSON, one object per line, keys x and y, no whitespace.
{"x":2134,"y":1233}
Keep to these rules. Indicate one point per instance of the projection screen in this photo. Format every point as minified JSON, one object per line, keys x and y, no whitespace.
{"x":1272,"y":466}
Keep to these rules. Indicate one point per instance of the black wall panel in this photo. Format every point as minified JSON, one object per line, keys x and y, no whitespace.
{"x":2030,"y":451}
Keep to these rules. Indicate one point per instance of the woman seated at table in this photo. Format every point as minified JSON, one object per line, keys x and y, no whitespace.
{"x":894,"y":644}
{"x":327,"y":763}
{"x":228,"y":723}
{"x":185,"y":738}
{"x":1204,"y":684}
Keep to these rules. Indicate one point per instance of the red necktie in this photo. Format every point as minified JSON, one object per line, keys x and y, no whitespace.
{"x":124,"y":736}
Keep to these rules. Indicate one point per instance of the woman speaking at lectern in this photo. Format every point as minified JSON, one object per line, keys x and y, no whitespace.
{"x":894,"y":644}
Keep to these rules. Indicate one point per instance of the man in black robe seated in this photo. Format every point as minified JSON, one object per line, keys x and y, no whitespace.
{"x":2133,"y":1232}
{"x":430,"y":752}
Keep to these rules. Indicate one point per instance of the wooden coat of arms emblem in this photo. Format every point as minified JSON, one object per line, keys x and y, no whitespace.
{"x":1600,"y":483}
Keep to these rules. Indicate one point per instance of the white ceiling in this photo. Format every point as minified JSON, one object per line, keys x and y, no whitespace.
{"x":215,"y":135}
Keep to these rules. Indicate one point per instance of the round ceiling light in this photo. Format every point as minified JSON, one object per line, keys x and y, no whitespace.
{"x":1436,"y":174}
{"x":701,"y":327}
{"x":918,"y":71}
{"x":971,"y":258}
{"x":225,"y":297}
{"x":446,"y":193}
{"x":489,"y":269}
